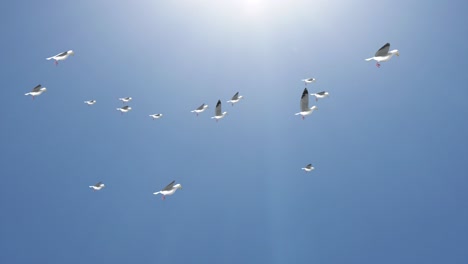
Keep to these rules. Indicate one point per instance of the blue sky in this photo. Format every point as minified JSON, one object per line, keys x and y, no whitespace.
{"x":389,"y":145}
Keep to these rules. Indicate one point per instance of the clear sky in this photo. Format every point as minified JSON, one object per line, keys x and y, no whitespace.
{"x":389,"y":145}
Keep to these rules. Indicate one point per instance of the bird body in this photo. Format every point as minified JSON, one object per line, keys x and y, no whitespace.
{"x":236,"y":98}
{"x":305,"y":110}
{"x":124,"y":109}
{"x":98,"y":186}
{"x":61,"y":56}
{"x":156,"y":116}
{"x":170,"y":189}
{"x":125,"y":99}
{"x":320,"y":95}
{"x":218,"y":113}
{"x":308,"y":168}
{"x":90,"y":102}
{"x":200,"y":109}
{"x":384,"y":54}
{"x":36,"y":91}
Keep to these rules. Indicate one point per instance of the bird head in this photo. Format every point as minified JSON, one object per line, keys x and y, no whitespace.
{"x":395,"y":52}
{"x":314,"y":107}
{"x":71,"y":52}
{"x":43,"y":89}
{"x":178,"y":186}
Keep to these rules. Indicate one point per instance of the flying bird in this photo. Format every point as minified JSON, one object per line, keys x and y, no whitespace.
{"x":124,"y":109}
{"x":308,"y":168}
{"x":98,"y":186}
{"x":38,"y":90}
{"x":218,"y":114}
{"x":170,"y":189}
{"x":320,"y":95}
{"x":156,"y":116}
{"x":383,"y":54}
{"x":125,"y":99}
{"x":90,"y":102}
{"x":235,"y":98}
{"x":61,"y":56}
{"x":305,"y":110}
{"x":308,"y":80}
{"x":200,"y":109}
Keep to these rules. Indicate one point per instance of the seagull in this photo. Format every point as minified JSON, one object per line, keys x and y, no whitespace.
{"x":61,"y":56}
{"x":305,"y":110}
{"x":125,"y":99}
{"x":170,"y":189}
{"x":308,"y":80}
{"x":320,"y":95}
{"x":124,"y":109}
{"x":156,"y":116}
{"x":218,"y":114}
{"x":38,"y":90}
{"x":383,"y":54}
{"x":90,"y":102}
{"x":98,"y":186}
{"x":235,"y":98}
{"x":308,"y":168}
{"x":200,"y":109}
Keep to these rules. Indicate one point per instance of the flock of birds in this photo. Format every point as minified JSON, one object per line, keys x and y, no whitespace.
{"x":383,"y":54}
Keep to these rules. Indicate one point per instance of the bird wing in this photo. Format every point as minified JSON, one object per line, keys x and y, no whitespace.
{"x":201,"y":107}
{"x":309,"y":166}
{"x":125,"y":107}
{"x":321,"y":93}
{"x":61,"y":54}
{"x":169,"y":186}
{"x":98,"y":184}
{"x":383,"y":51}
{"x":236,"y":96}
{"x":218,"y":108}
{"x":305,"y":100}
{"x":37,"y":88}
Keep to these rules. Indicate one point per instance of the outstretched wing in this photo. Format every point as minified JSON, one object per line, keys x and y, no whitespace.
{"x":305,"y":100}
{"x":201,"y":107}
{"x":37,"y":88}
{"x":169,"y":186}
{"x":321,"y":93}
{"x":98,"y":184}
{"x":236,"y":96}
{"x":383,"y":51}
{"x":218,"y":108}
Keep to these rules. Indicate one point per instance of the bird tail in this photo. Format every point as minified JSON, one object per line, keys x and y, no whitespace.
{"x":118,"y":109}
{"x":193,"y":111}
{"x":369,"y":59}
{"x":27,"y":93}
{"x":49,"y":58}
{"x":156,"y":193}
{"x":297,"y":113}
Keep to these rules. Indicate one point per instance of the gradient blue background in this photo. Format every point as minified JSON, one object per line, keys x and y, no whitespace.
{"x":389,"y":145}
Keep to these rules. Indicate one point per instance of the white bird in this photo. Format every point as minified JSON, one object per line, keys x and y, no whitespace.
{"x":308,"y":80}
{"x":61,"y":56}
{"x":383,"y":54}
{"x":218,"y":114}
{"x":320,"y":95}
{"x":124,"y":109}
{"x":156,"y":116}
{"x":125,"y":99}
{"x":200,"y":109}
{"x":308,"y":168}
{"x":98,"y":186}
{"x":38,"y":90}
{"x":170,"y":189}
{"x":305,"y":110}
{"x":90,"y":102}
{"x":235,"y":98}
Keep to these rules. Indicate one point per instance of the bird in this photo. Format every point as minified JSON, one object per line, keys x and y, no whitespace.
{"x":90,"y":102}
{"x":320,"y":95}
{"x":308,"y":80}
{"x":218,"y":114}
{"x":38,"y":90}
{"x":170,"y":189}
{"x":200,"y":109}
{"x":124,"y":109}
{"x":61,"y":56}
{"x":235,"y":98}
{"x":383,"y":54}
{"x":308,"y":168}
{"x":98,"y":186}
{"x":156,"y":116}
{"x":305,"y":110}
{"x":125,"y":99}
